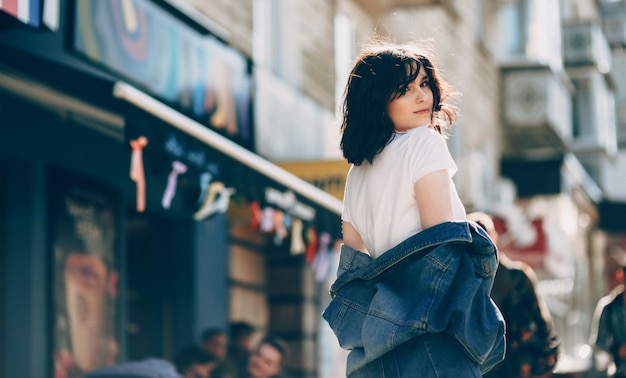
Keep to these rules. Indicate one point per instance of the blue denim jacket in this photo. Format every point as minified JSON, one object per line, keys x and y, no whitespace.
{"x":378,"y":304}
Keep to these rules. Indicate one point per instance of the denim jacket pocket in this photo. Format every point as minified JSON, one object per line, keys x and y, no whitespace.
{"x":485,"y":264}
{"x":484,"y":255}
{"x":485,"y":258}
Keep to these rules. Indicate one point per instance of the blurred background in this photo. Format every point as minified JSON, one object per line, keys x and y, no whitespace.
{"x":172,"y":165}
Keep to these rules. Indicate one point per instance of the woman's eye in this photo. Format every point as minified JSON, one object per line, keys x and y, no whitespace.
{"x":402,"y":91}
{"x":424,"y":84}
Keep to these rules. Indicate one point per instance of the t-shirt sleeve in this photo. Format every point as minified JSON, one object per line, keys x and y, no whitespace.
{"x":345,"y":212}
{"x":430,"y":154}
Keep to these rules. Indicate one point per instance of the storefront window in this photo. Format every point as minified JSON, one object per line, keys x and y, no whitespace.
{"x":150,"y":284}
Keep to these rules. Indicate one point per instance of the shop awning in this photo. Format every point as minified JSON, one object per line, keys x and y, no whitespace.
{"x":220,"y":143}
{"x":64,"y":101}
{"x":99,"y":108}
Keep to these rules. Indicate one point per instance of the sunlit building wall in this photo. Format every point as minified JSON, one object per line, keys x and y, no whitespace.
{"x":540,"y":138}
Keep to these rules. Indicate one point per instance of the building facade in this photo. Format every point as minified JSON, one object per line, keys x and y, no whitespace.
{"x":135,"y":211}
{"x":540,"y":143}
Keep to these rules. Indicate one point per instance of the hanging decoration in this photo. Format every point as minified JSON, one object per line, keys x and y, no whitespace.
{"x":137,"y":170}
{"x":205,"y":179}
{"x":195,"y":180}
{"x":297,"y":241}
{"x":321,"y":261}
{"x":267,"y":220}
{"x":312,"y":243}
{"x":256,"y":215}
{"x":217,"y":200}
{"x":177,"y":169}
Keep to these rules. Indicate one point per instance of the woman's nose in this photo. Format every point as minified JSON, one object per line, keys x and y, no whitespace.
{"x":421,"y":95}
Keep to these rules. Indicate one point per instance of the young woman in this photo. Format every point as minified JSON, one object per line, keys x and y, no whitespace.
{"x":394,"y":114}
{"x":408,"y":301}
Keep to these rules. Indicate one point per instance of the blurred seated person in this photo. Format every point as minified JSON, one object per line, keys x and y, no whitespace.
{"x":531,"y":342}
{"x":215,"y":342}
{"x":268,"y":359}
{"x":194,"y":362}
{"x":239,"y":340}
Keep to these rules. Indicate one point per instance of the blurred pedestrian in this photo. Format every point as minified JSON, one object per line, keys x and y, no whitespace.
{"x":238,"y":355}
{"x":194,"y":362}
{"x":268,"y":358}
{"x":532,"y":343}
{"x":609,"y":326}
{"x":240,"y":339}
{"x":400,"y":203}
{"x":215,"y":342}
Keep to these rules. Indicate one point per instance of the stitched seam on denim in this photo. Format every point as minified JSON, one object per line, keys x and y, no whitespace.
{"x":351,"y":255}
{"x":352,"y":258}
{"x":429,"y":353}
{"x":443,"y":267}
{"x":432,"y":241}
{"x":340,"y":314}
{"x":395,"y":357}
{"x":377,"y":314}
{"x":462,"y":235}
{"x":396,"y":259}
{"x":478,"y":358}
{"x":338,"y":284}
{"x":437,"y":291}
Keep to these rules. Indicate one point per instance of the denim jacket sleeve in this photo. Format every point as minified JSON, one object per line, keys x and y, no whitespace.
{"x":438,"y":280}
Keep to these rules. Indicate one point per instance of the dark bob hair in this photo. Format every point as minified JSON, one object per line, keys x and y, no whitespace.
{"x":380,"y":75}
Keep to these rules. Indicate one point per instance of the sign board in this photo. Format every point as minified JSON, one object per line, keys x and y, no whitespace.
{"x":329,"y":176}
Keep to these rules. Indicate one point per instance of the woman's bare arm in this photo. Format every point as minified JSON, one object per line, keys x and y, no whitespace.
{"x":432,"y":193}
{"x":351,"y":237}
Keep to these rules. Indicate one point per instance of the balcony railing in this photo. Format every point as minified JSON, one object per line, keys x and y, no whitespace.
{"x":536,"y":110}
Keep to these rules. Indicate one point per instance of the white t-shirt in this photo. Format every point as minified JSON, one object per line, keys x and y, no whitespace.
{"x":379,"y":199}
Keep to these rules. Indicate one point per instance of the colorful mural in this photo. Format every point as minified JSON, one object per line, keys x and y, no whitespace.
{"x":195,"y":73}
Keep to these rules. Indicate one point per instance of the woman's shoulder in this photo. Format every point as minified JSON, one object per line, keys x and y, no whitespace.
{"x":424,"y":142}
{"x":425,"y":136}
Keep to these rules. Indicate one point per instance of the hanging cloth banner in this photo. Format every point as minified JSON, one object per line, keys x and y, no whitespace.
{"x":247,"y":173}
{"x":287,"y":202}
{"x":27,"y":11}
{"x":178,"y":169}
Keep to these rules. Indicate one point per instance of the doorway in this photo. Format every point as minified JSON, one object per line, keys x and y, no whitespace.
{"x":150,"y":286}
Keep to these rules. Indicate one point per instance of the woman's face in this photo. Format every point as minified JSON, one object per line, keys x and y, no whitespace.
{"x":414,"y":108}
{"x":265,"y":362}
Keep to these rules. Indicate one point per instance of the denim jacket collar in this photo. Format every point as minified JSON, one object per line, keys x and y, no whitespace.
{"x":357,"y":262}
